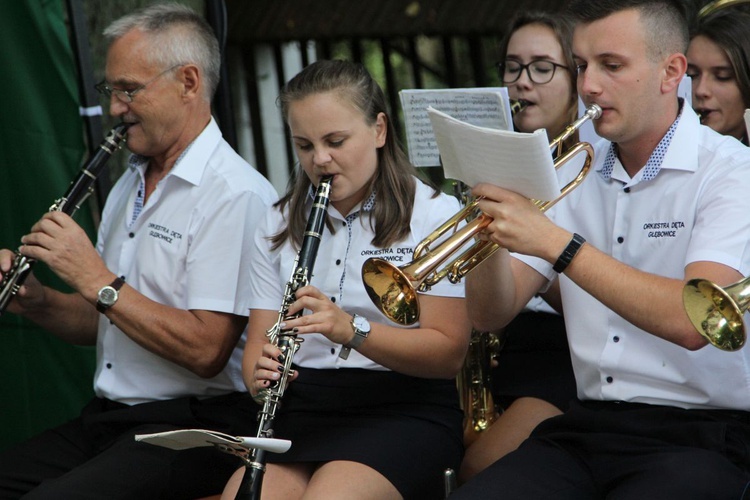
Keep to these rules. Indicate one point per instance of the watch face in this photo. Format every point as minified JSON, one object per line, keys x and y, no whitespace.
{"x":361,"y":323}
{"x":107,"y":295}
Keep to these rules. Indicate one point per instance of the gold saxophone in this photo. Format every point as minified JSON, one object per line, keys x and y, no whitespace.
{"x":475,"y":384}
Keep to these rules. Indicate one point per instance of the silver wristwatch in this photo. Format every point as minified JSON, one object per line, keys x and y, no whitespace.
{"x":108,"y":295}
{"x":361,"y":328}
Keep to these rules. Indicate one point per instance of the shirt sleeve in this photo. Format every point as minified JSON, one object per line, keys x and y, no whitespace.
{"x":429,"y":214}
{"x":215,"y":268}
{"x":263,"y":276}
{"x":722,"y":223}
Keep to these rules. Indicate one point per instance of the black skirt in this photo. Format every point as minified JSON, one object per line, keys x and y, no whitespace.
{"x":407,"y":428}
{"x":535,"y":362}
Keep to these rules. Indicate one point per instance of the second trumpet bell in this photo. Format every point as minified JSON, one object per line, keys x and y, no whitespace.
{"x":717,"y":313}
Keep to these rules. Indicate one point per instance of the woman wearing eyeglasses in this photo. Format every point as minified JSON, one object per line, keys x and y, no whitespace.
{"x":719,"y":66}
{"x":533,"y":379}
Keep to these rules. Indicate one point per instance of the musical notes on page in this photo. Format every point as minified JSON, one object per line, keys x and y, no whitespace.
{"x":485,"y":107}
{"x":520,"y":162}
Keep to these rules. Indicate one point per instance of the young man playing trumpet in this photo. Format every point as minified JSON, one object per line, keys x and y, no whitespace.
{"x":660,"y":412}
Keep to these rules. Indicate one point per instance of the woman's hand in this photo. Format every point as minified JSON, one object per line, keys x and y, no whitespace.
{"x":267,"y":372}
{"x":327,"y":318}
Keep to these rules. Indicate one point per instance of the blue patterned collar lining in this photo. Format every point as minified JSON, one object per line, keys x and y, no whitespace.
{"x":366,"y":206}
{"x":653,"y":165}
{"x":135,"y":161}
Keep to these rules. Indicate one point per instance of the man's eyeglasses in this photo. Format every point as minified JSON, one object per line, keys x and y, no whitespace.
{"x":127,"y":96}
{"x":539,"y":72}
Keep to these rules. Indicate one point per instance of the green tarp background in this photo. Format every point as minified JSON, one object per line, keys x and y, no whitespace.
{"x":42,"y":380}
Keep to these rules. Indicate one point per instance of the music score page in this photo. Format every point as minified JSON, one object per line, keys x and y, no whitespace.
{"x":516,"y":161}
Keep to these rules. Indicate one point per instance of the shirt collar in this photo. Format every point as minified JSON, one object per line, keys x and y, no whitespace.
{"x":654,"y":163}
{"x":195,"y":156}
{"x":366,"y":206}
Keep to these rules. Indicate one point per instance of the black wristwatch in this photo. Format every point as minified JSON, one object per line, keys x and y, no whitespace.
{"x":361,"y":328}
{"x":108,"y":295}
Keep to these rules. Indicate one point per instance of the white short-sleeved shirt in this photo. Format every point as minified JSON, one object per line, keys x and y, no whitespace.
{"x":696,"y":208}
{"x":188,"y":248}
{"x":337,"y":270}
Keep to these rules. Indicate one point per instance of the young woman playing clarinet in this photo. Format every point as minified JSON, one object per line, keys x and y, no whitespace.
{"x":372,"y":408}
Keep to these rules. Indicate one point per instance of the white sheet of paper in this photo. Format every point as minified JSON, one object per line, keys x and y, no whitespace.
{"x":747,"y":121}
{"x":184,"y":439}
{"x":516,"y":161}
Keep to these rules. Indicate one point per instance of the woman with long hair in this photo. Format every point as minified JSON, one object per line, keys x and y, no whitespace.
{"x":719,"y":66}
{"x":372,"y":408}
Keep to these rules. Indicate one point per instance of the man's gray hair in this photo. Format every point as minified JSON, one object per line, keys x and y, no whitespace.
{"x":179,"y":36}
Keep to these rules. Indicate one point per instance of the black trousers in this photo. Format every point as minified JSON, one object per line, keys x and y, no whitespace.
{"x":95,"y":456}
{"x":624,"y":451}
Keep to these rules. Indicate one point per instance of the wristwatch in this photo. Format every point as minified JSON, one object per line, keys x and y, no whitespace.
{"x":108,"y":295}
{"x":361,"y":328}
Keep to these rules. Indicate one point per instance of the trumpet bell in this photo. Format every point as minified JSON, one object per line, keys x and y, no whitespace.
{"x":391,"y":289}
{"x":716,"y":313}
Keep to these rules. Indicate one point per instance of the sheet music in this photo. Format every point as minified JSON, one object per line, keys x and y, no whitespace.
{"x":485,"y":107}
{"x":184,"y":439}
{"x":516,"y":161}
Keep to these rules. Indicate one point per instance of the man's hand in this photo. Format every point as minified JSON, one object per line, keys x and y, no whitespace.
{"x":58,"y":241}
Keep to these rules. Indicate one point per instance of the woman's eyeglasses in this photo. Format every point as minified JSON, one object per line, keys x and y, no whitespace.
{"x":539,"y":72}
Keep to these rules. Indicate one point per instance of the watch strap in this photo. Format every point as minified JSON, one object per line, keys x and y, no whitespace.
{"x":355,"y":342}
{"x":570,"y":251}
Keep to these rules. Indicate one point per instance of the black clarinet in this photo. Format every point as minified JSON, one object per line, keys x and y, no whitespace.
{"x":285,"y":340}
{"x":80,"y":189}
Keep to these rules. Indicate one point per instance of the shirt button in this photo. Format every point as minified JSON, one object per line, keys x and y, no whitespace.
{"x":338,"y":262}
{"x":616,"y":338}
{"x":333,"y":299}
{"x":132,"y":235}
{"x":627,"y":189}
{"x":343,"y":222}
{"x":109,"y":365}
{"x":333,"y":351}
{"x":609,"y":380}
{"x":620,"y":239}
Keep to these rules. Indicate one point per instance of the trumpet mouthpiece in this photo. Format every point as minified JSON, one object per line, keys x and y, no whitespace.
{"x":594,"y":111}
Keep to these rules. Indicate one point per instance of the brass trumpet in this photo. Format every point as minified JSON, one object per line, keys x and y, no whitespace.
{"x":394,"y":289}
{"x":717,"y":312}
